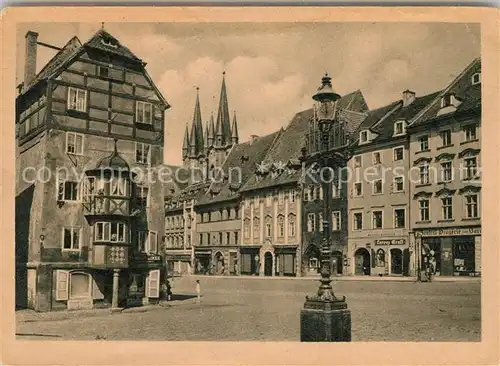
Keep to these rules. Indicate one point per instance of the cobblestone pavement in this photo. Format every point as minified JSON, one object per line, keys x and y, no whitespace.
{"x":245,"y":309}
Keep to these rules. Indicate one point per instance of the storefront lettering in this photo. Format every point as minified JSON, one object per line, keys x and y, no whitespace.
{"x":390,"y":242}
{"x":449,"y":232}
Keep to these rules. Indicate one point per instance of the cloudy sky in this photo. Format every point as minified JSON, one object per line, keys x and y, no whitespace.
{"x":272,"y":69}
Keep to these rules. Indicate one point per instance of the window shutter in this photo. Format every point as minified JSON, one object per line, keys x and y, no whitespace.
{"x":96,"y":291}
{"x":62,"y":285}
{"x":153,"y":288}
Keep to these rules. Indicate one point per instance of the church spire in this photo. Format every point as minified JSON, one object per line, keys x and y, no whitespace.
{"x":205,"y":140}
{"x":234,"y":131}
{"x":223,"y":130}
{"x":211,"y":131}
{"x":185,"y":144}
{"x":197,"y":122}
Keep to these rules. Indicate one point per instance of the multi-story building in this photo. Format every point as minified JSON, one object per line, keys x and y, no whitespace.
{"x":352,"y":110}
{"x":445,"y":190}
{"x":206,"y":154}
{"x":88,"y":231}
{"x":379,"y":205}
{"x":282,"y":209}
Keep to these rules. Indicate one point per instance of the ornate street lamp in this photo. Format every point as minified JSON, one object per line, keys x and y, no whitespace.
{"x":324,"y":316}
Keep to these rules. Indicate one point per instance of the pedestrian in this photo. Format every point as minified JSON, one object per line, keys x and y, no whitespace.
{"x":198,"y":291}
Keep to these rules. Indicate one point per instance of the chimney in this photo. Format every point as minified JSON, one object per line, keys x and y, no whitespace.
{"x":30,"y":58}
{"x":408,"y":97}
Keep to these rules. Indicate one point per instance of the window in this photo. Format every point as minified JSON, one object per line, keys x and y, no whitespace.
{"x":335,"y":189}
{"x":228,"y":238}
{"x":470,"y":133}
{"x":358,"y":189}
{"x":281,"y":198}
{"x":476,"y":78}
{"x":256,"y":228}
{"x":74,"y":143}
{"x":399,"y":128}
{"x":423,"y":205}
{"x":143,"y":112}
{"x":142,"y":240}
{"x":67,"y":191}
{"x":446,"y":100}
{"x":358,"y":221}
{"x":152,"y":242}
{"x":201,"y":239}
{"x":399,"y":184}
{"x":246,"y":229}
{"x":142,"y":153}
{"x":71,"y":239}
{"x":102,"y":71}
{"x":220,"y":238}
{"x":110,"y":231}
{"x":424,"y":142}
{"x":311,"y":222}
{"x":363,"y":136}
{"x":447,"y":208}
{"x":398,"y":153}
{"x":291,"y":225}
{"x":77,"y":100}
{"x":269,"y":199}
{"x":445,"y":138}
{"x":424,"y":174}
{"x":471,"y":204}
{"x":236,"y":238}
{"x":357,"y":161}
{"x":321,"y":222}
{"x":446,"y":172}
{"x":377,"y":219}
{"x":313,"y":263}
{"x":470,"y":168}
{"x":376,"y":158}
{"x":307,"y":196}
{"x":268,"y":230}
{"x":142,"y":195}
{"x":377,"y":186}
{"x":399,"y":218}
{"x":281,"y":226}
{"x":336,"y":225}
{"x":118,"y":187}
{"x":291,"y":195}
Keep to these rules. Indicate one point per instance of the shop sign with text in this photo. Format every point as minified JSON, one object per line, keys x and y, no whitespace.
{"x":390,"y":242}
{"x":449,"y":232}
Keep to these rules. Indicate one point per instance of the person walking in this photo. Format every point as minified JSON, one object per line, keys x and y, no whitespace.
{"x":198,"y":291}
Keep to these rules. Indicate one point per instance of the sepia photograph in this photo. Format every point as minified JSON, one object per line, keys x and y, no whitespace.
{"x":248,"y":181}
{"x":260,"y":186}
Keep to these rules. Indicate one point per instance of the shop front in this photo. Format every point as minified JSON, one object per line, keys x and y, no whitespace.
{"x":179,"y":264}
{"x":286,"y":261}
{"x":250,"y":261}
{"x":392,"y":257}
{"x":203,"y":262}
{"x":453,"y":251}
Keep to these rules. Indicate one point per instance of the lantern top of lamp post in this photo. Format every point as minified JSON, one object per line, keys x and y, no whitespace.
{"x":325,"y":91}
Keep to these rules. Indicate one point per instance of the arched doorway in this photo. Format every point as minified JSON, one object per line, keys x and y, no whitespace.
{"x":268,"y":264}
{"x":396,"y":261}
{"x":219,"y":263}
{"x":362,"y":262}
{"x":311,"y":260}
{"x":337,"y":263}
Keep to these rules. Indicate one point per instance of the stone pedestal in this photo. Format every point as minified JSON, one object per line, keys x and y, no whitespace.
{"x":325,"y":321}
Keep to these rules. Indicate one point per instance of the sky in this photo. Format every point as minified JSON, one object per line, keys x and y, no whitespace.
{"x":272,"y":69}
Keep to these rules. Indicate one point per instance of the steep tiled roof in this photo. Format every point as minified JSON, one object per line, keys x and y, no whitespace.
{"x":385,"y":129}
{"x":97,"y":42}
{"x":238,"y":167}
{"x":63,"y":55}
{"x":289,"y":146}
{"x":462,"y":88}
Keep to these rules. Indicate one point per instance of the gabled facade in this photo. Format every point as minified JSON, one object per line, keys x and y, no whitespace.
{"x":378,"y":201}
{"x":87,"y":235}
{"x":445,"y":193}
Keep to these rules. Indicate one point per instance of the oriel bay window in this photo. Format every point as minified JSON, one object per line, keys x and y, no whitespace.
{"x":115,"y":232}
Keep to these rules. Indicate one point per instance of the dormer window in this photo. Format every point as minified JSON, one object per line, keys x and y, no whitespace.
{"x":476,"y":78}
{"x":447,"y":100}
{"x":363,"y":136}
{"x":109,"y":43}
{"x":399,"y":128}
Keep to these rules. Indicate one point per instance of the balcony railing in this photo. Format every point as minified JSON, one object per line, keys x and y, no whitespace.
{"x":106,"y":205}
